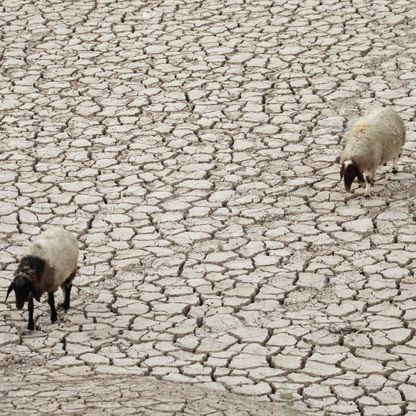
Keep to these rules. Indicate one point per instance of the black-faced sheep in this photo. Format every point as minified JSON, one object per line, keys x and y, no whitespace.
{"x":51,"y":261}
{"x":373,"y":140}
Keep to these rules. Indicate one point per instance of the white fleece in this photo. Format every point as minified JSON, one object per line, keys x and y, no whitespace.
{"x":59,"y":248}
{"x":374,"y":139}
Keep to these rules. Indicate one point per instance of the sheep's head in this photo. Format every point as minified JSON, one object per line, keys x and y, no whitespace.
{"x":23,"y":288}
{"x":350,"y":171}
{"x":27,"y":272}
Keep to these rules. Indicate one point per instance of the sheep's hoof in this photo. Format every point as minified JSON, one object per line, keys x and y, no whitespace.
{"x":394,"y":170}
{"x":31,"y":327}
{"x":63,"y":307}
{"x":53,"y":318}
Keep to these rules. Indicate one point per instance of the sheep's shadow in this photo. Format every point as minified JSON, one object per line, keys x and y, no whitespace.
{"x":398,"y":189}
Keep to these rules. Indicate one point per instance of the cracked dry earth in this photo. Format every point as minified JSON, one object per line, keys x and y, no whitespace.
{"x":191,"y":147}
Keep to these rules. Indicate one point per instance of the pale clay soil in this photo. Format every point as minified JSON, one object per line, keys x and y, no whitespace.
{"x":191,"y":147}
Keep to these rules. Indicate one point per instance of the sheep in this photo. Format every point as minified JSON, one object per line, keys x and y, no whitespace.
{"x":373,"y":140}
{"x":50,"y":262}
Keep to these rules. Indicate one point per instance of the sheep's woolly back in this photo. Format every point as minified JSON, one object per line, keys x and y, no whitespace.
{"x":374,"y":139}
{"x":59,"y":249}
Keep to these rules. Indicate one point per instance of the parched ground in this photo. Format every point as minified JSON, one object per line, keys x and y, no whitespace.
{"x":191,"y":146}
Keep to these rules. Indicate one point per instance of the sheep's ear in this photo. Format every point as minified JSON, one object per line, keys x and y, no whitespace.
{"x":9,"y":290}
{"x":342,"y":171}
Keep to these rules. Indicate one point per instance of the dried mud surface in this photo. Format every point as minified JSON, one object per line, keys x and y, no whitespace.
{"x":191,"y":146}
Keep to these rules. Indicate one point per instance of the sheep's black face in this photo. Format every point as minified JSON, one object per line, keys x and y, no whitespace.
{"x":349,"y":176}
{"x":350,"y":171}
{"x":22,"y":290}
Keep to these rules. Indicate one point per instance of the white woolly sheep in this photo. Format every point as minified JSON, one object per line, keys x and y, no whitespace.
{"x":373,"y":140}
{"x":50,"y":262}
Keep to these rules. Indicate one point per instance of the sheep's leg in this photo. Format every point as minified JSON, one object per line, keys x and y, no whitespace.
{"x":394,"y":170}
{"x":31,"y":325}
{"x":51,"y":301}
{"x":369,"y":180}
{"x":67,"y":299}
{"x":367,"y":189}
{"x":66,"y":289}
